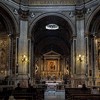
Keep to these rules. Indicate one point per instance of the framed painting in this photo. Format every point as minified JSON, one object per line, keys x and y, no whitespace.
{"x":52,"y":65}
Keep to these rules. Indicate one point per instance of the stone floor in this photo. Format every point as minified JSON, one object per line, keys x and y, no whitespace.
{"x":54,"y":95}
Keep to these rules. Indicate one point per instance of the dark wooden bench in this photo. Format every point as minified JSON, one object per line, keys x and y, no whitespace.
{"x":30,"y":94}
{"x":79,"y":94}
{"x":70,"y":91}
{"x":40,"y":93}
{"x":6,"y":92}
{"x":77,"y":91}
{"x":24,"y":93}
{"x":85,"y":96}
{"x":26,"y":96}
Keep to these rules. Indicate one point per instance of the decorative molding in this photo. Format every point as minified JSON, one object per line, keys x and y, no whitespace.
{"x":32,"y":15}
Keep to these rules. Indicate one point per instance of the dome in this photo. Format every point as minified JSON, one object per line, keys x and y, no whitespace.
{"x":52,"y":2}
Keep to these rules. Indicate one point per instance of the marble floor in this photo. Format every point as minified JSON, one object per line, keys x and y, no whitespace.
{"x":54,"y":95}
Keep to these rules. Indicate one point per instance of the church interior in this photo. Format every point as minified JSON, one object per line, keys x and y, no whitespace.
{"x":49,"y":49}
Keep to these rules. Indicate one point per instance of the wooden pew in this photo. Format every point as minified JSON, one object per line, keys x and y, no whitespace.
{"x":40,"y":93}
{"x":77,"y":91}
{"x":6,"y":92}
{"x":85,"y":96}
{"x":70,"y":91}
{"x":26,"y":96}
{"x":79,"y":94}
{"x":33,"y":94}
{"x":24,"y":93}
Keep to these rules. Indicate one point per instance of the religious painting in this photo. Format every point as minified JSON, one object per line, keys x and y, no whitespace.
{"x":3,"y":55}
{"x":52,"y":65}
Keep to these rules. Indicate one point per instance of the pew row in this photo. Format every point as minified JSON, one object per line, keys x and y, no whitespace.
{"x":79,"y":94}
{"x":85,"y":96}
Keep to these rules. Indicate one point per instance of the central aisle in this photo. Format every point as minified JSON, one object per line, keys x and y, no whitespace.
{"x":54,"y":95}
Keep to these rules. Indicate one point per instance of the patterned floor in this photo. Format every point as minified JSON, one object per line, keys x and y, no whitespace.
{"x":54,"y":95}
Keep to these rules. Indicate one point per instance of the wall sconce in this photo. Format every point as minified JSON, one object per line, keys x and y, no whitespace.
{"x":80,"y":58}
{"x":24,"y":58}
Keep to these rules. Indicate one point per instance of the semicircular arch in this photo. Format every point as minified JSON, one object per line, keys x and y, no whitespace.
{"x":10,"y":19}
{"x":50,"y":14}
{"x":91,"y":18}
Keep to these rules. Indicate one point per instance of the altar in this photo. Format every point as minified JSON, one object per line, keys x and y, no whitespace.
{"x":54,"y":81}
{"x":52,"y":84}
{"x":51,"y":69}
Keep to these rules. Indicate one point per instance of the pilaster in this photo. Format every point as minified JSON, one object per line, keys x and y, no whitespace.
{"x":93,"y":57}
{"x":79,"y":56}
{"x":73,"y":62}
{"x":22,"y":52}
{"x":87,"y":60}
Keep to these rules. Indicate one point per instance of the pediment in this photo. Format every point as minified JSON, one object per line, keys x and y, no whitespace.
{"x":51,"y":53}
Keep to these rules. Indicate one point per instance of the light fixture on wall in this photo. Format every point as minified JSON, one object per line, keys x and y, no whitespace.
{"x":24,"y":58}
{"x":24,"y":61}
{"x":80,"y":58}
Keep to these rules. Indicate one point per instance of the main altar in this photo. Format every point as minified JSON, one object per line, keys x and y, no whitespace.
{"x":51,"y":68}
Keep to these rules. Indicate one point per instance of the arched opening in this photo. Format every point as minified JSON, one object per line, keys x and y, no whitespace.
{"x":7,"y":46}
{"x":94,"y":48}
{"x":52,"y":44}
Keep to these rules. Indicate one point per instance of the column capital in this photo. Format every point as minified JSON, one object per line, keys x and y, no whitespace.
{"x":23,"y":14}
{"x":80,"y":13}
